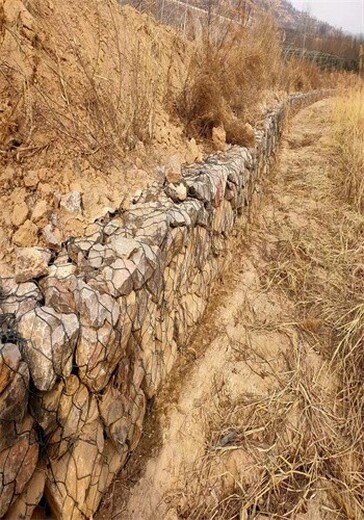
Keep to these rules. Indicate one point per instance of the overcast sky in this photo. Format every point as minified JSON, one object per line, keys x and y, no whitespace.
{"x":345,"y":14}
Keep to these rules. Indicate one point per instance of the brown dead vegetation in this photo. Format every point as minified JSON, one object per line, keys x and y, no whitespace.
{"x":229,"y":79}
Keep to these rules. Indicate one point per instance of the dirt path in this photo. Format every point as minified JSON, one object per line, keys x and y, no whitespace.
{"x":234,"y":417}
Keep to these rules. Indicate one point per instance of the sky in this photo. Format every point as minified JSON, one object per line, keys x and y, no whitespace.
{"x":345,"y":14}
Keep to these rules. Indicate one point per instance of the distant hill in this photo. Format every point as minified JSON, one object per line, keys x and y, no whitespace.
{"x":298,"y":28}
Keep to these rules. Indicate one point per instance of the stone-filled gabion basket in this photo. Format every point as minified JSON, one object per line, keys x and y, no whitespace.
{"x":89,"y":334}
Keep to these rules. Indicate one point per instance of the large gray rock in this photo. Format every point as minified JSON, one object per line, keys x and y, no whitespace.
{"x":118,"y":277}
{"x":72,"y":411}
{"x":123,"y":417}
{"x":72,"y":476}
{"x":51,"y":340}
{"x":123,"y":247}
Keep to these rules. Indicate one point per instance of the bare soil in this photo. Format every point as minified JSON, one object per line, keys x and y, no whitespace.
{"x":232,"y":421}
{"x":84,"y":96}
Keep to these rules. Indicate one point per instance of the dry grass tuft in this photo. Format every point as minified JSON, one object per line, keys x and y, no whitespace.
{"x":348,"y":145}
{"x":324,"y":273}
{"x":226,"y":80}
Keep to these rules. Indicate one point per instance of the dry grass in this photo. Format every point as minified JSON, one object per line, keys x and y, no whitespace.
{"x":348,"y":142}
{"x":230,"y":77}
{"x":323,"y":272}
{"x":226,"y":80}
{"x":305,"y":438}
{"x":87,"y":80}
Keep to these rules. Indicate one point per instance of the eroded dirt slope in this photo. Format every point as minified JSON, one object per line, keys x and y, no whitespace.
{"x":82,"y":108}
{"x":241,"y":427}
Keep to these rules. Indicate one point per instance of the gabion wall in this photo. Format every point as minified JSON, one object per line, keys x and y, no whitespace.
{"x":89,"y":339}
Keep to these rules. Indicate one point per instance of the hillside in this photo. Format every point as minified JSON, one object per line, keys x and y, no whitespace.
{"x":82,"y":101}
{"x":286,"y":15}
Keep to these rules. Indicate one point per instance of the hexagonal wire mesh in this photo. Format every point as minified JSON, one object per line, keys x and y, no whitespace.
{"x":84,"y":346}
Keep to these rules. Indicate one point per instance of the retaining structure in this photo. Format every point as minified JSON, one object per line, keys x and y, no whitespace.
{"x":87,"y":342}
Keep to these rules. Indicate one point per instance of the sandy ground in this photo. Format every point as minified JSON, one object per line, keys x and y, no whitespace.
{"x":200,"y":440}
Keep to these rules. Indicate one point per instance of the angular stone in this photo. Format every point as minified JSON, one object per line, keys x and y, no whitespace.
{"x":17,"y":464}
{"x":72,"y":414}
{"x":130,"y":372}
{"x":115,"y":412}
{"x":31,"y":263}
{"x":179,"y":218}
{"x":176,"y":240}
{"x":194,"y":209}
{"x":103,"y":475}
{"x":52,"y":236}
{"x":60,"y":293}
{"x":113,"y":227}
{"x":202,"y":246}
{"x":224,"y":218}
{"x":119,"y":277}
{"x":41,"y":213}
{"x":95,"y":308}
{"x":19,"y":298}
{"x":51,"y":340}
{"x":62,"y":269}
{"x":14,"y":398}
{"x":71,"y":202}
{"x":200,"y":188}
{"x":144,"y":266}
{"x":101,"y":255}
{"x":173,"y":170}
{"x":150,"y":221}
{"x":10,"y":359}
{"x":142,"y":298}
{"x":218,"y":181}
{"x":44,"y":407}
{"x":27,"y":501}
{"x":26,"y":235}
{"x":19,"y":214}
{"x":123,"y":417}
{"x":70,"y":477}
{"x":100,"y":349}
{"x":177,"y":192}
{"x":123,"y":247}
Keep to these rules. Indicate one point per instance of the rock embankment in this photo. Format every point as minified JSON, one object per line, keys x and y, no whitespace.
{"x":89,"y":334}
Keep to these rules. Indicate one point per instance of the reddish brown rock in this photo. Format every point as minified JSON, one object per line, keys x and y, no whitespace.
{"x":24,"y":505}
{"x":17,"y":464}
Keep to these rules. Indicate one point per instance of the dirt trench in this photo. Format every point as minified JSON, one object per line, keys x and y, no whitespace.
{"x":234,"y":415}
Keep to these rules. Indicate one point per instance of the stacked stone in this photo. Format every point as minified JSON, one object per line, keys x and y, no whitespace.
{"x":98,"y":325}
